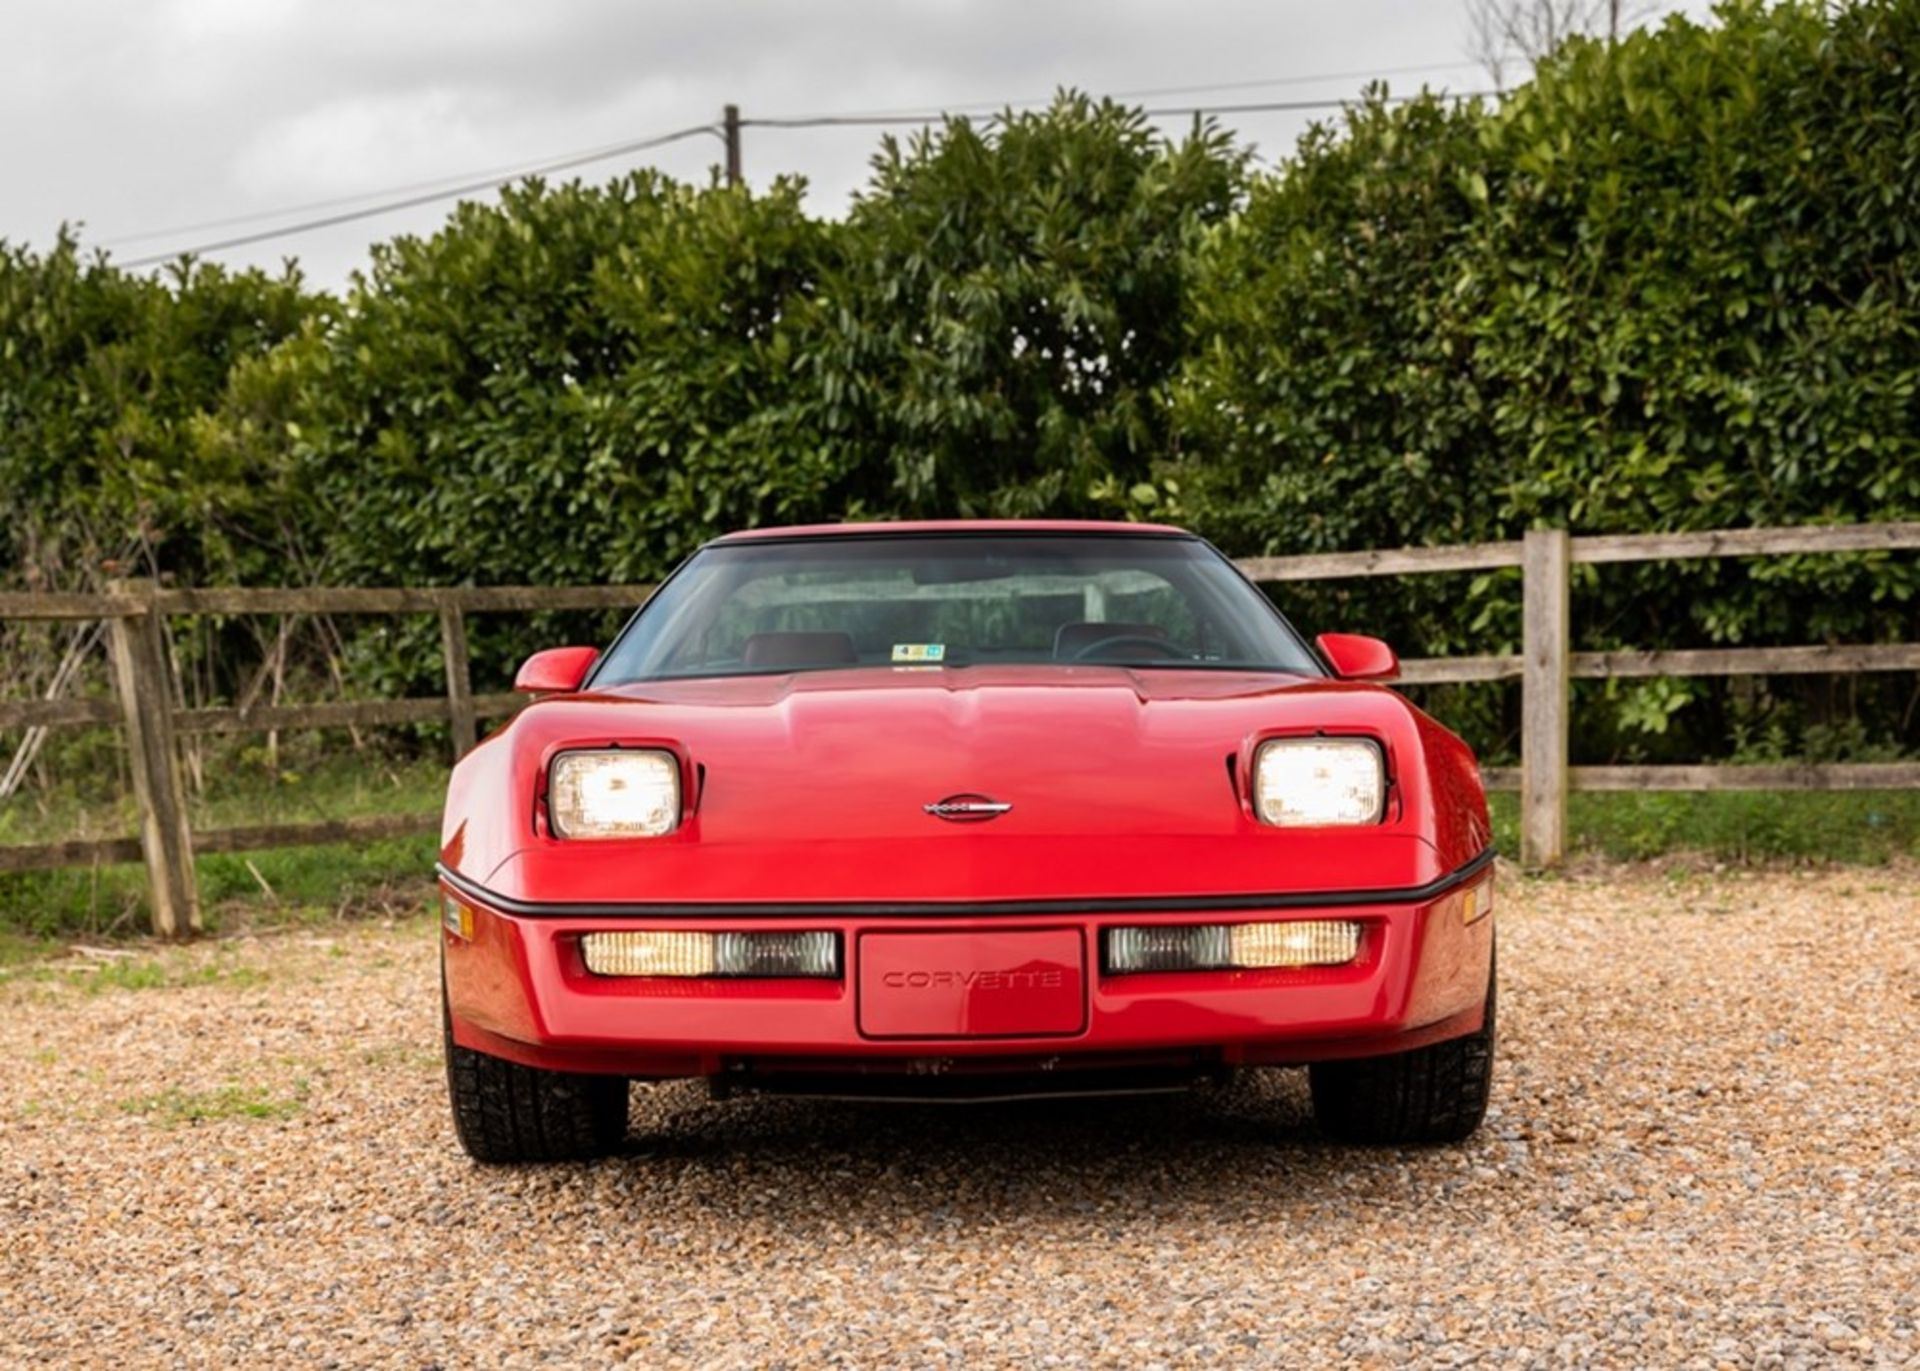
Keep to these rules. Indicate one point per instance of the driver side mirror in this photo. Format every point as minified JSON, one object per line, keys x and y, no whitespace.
{"x":1356,"y":657}
{"x":557,"y":671}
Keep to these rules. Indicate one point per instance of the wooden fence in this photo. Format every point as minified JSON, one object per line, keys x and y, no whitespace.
{"x":136,"y":613}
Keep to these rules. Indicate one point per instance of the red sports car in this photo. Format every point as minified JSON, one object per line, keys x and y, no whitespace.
{"x":963,"y":811}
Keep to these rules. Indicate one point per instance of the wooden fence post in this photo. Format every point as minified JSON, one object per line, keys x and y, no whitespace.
{"x":141,"y":681}
{"x":1545,"y":702}
{"x":460,"y":713}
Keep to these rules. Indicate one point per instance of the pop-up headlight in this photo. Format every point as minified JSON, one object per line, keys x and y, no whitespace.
{"x":627,"y":793}
{"x":1318,"y":782}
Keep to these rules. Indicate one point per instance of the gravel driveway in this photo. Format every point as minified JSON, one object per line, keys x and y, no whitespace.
{"x":1703,"y":1151}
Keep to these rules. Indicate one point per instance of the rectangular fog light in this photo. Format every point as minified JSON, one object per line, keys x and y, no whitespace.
{"x":1228,"y":947}
{"x":815,"y":953}
{"x":1304,"y":942}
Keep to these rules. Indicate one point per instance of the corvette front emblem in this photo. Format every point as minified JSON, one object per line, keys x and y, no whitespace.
{"x":967,"y":809}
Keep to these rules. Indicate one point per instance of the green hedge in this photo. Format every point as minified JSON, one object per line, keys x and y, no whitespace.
{"x":1668,"y":284}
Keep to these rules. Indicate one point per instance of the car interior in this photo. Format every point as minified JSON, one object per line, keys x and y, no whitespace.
{"x":1086,"y":641}
{"x":791,"y":651}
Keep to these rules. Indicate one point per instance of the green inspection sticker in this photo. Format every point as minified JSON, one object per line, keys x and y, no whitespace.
{"x":919,"y":652}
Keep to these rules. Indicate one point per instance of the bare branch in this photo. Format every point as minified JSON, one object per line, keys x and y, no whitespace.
{"x":1503,"y":32}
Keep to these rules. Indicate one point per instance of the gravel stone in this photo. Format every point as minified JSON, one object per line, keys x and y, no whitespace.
{"x":1702,"y":1152}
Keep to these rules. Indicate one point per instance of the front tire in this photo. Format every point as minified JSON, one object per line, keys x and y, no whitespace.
{"x":506,"y":1112}
{"x":1433,"y":1094}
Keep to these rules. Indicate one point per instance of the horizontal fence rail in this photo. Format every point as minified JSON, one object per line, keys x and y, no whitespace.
{"x":318,"y":600}
{"x":1630,"y":665}
{"x":255,"y":838}
{"x":1783,"y":776}
{"x":141,"y":709}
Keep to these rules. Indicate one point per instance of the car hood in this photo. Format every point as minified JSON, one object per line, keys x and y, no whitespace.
{"x":814,"y":786}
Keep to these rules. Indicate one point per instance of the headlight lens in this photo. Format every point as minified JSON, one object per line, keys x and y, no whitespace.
{"x":614,"y":794}
{"x":1318,"y":782}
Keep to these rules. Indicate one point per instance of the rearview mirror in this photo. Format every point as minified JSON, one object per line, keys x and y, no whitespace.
{"x":557,"y":671}
{"x":1356,"y":657}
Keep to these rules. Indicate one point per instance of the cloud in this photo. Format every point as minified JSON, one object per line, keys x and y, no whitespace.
{"x":217,"y":21}
{"x":346,"y":145}
{"x":139,"y":114}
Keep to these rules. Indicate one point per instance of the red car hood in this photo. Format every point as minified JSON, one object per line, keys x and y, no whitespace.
{"x":813,"y":787}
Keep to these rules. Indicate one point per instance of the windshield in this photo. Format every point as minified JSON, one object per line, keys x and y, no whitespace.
{"x":953,"y":601}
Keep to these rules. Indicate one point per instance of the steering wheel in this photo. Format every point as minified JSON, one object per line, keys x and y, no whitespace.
{"x":1132,"y":640}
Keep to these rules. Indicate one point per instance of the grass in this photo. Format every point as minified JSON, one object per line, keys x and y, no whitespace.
{"x":127,"y":973}
{"x":23,"y":949}
{"x":240,"y":789}
{"x":286,"y":885}
{"x":175,"y":1107}
{"x":155,"y":975}
{"x":403,"y":1057}
{"x":1868,"y":828}
{"x":296,"y":885}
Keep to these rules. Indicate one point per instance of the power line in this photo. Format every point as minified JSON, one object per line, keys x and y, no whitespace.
{"x":814,"y":121}
{"x":427,"y":192}
{"x":452,"y":192}
{"x":507,"y":170}
{"x":1271,"y":106}
{"x":1419,"y":70}
{"x":526,"y":168}
{"x":1149,"y":93}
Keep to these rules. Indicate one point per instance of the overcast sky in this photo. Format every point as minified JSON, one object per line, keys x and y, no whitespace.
{"x":134,"y":116}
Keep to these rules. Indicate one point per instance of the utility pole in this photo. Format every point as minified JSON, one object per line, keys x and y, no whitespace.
{"x":730,"y":123}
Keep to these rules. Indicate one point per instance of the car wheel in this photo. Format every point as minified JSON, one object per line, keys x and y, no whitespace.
{"x":1433,"y":1094}
{"x":506,"y":1112}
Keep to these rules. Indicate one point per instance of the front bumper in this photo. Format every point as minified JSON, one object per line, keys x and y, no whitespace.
{"x":518,"y":988}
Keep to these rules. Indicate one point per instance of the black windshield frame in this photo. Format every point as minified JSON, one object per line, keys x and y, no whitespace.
{"x":1209,"y":572}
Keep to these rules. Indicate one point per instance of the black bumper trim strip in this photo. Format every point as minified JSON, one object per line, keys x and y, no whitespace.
{"x":941,"y":909}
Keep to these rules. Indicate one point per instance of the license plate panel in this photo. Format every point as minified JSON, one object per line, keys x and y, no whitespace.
{"x":997,"y":983}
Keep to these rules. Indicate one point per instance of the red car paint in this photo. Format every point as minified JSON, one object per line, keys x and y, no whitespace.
{"x":804,"y":806}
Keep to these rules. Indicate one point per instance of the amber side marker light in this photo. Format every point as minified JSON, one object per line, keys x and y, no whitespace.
{"x":1477,"y":902}
{"x":1229,"y":947}
{"x":677,"y":953}
{"x":455,"y":917}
